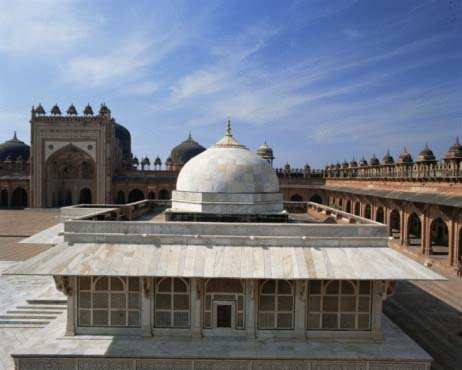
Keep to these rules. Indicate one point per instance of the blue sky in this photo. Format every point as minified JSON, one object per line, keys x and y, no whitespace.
{"x":320,"y":81}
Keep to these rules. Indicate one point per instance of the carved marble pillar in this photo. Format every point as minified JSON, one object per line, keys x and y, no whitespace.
{"x":196,"y":306}
{"x":387,"y":220}
{"x":379,"y":294}
{"x":301,"y":287}
{"x":451,"y":243}
{"x":146,"y":309}
{"x":401,"y":228}
{"x":427,"y":241}
{"x":251,"y":297}
{"x":405,"y":229}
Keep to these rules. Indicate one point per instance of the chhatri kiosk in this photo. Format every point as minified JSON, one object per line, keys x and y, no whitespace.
{"x":223,"y":279}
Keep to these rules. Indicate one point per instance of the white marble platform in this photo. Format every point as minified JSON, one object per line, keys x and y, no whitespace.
{"x":397,"y":348}
{"x":52,"y":235}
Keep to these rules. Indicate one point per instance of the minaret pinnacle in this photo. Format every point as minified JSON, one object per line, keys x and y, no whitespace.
{"x":228,"y":127}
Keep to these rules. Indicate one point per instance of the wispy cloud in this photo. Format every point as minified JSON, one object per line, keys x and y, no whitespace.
{"x":351,"y":33}
{"x":139,"y":88}
{"x":43,"y":27}
{"x":124,"y":62}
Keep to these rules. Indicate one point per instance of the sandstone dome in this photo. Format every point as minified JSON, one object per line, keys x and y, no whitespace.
{"x":227,"y":178}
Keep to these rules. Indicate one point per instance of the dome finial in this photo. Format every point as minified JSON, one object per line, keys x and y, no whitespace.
{"x":189,"y":136}
{"x":15,"y":138}
{"x":228,"y":127}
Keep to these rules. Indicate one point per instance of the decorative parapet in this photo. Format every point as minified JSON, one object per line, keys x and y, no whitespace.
{"x":435,"y":171}
{"x":332,"y":215}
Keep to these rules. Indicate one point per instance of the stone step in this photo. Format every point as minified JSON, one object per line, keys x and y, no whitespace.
{"x":22,"y":326}
{"x":42,"y":307}
{"x":24,"y":322}
{"x":27,"y":317}
{"x":60,"y":302}
{"x":34,"y":312}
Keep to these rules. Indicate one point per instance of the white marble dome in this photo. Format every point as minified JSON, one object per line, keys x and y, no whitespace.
{"x":227,"y":178}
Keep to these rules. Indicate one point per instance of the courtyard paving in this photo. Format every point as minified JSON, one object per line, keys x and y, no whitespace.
{"x":16,"y":225}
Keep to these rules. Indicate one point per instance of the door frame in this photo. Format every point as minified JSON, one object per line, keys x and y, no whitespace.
{"x":215,"y":315}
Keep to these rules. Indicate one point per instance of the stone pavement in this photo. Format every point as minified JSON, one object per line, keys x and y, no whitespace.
{"x":431,"y":314}
{"x":16,"y":225}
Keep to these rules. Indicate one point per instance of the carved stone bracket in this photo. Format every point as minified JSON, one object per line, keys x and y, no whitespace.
{"x":199,"y":287}
{"x":389,"y":289}
{"x":146,"y":286}
{"x":63,"y":285}
{"x":252,"y":289}
{"x":303,"y":289}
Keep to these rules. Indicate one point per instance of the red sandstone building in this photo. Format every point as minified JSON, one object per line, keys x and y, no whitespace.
{"x":87,"y":158}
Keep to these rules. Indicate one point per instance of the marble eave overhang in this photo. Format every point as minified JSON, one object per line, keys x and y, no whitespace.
{"x":225,"y":261}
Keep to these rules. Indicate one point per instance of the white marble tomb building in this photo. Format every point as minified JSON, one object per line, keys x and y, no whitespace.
{"x":224,"y":279}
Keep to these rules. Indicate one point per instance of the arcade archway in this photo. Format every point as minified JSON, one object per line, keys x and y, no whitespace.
{"x":4,"y":198}
{"x":439,"y":237}
{"x":414,"y":230}
{"x":135,"y":195}
{"x":19,"y":198}
{"x":85,"y":196}
{"x":296,"y":198}
{"x":395,"y":224}
{"x":316,"y":199}
{"x":380,"y":215}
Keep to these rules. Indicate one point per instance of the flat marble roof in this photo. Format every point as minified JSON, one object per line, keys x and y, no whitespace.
{"x":226,"y":261}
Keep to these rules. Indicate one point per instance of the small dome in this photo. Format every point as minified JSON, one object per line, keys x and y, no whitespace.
{"x":157,"y":161}
{"x":227,"y":178}
{"x":353,"y":163}
{"x":405,"y":157}
{"x":135,"y":161}
{"x":265,"y":151}
{"x":306,"y":167}
{"x":88,"y":111}
{"x":39,"y":110}
{"x":455,"y":151}
{"x":125,"y":139}
{"x":13,"y":149}
{"x":104,"y":110}
{"x":426,"y":155}
{"x":374,"y":161}
{"x":55,"y":111}
{"x":168,"y":162}
{"x":388,"y":159}
{"x":287,"y":166}
{"x":146,"y":161}
{"x":337,"y":165}
{"x":71,"y":111}
{"x":185,"y":151}
{"x":362,"y":162}
{"x":344,"y":164}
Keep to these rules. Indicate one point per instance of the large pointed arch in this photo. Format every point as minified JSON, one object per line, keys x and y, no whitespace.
{"x":67,"y":172}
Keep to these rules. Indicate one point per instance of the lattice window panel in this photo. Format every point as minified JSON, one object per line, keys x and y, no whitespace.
{"x":339,"y":305}
{"x":109,"y":301}
{"x":172,"y":303}
{"x":276,"y":305}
